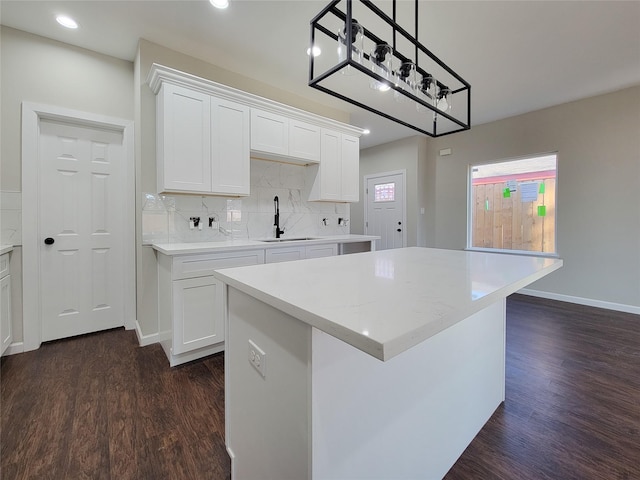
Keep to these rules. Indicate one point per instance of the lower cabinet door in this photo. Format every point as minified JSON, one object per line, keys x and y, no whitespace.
{"x":5,"y":313}
{"x":198,"y":314}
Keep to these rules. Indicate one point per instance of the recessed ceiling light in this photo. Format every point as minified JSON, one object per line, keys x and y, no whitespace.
{"x":219,"y":3}
{"x":67,"y":22}
{"x":316,"y":51}
{"x":366,"y":131}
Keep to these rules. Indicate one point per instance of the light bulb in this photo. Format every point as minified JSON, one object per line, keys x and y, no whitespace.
{"x":67,"y":22}
{"x":406,"y":80}
{"x":357,"y":34}
{"x":426,"y":89}
{"x":381,"y":64}
{"x":444,"y":99}
{"x":315,"y":50}
{"x":219,"y":3}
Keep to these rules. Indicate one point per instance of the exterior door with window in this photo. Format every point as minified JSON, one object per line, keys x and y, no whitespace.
{"x":385,"y":207}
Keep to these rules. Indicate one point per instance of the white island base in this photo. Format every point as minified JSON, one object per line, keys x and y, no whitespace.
{"x":327,"y":410}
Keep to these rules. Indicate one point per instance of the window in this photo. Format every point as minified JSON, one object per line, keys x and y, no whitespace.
{"x":513,"y":205}
{"x":384,"y":192}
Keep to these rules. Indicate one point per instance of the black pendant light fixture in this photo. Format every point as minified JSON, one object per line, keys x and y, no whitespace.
{"x":389,"y":72}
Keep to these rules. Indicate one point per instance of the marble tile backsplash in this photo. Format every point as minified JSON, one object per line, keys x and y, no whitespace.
{"x":10,"y":218}
{"x":166,"y":218}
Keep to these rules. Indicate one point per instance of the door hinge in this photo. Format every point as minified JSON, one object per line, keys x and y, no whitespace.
{"x":366,"y":224}
{"x":367,"y":191}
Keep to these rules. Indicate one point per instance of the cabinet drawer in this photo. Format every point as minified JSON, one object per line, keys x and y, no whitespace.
{"x":275,"y":255}
{"x":4,"y":265}
{"x":190,"y":266}
{"x":318,"y":251}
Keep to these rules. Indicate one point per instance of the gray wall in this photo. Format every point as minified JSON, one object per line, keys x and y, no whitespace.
{"x":598,"y":145}
{"x":598,"y":222}
{"x":409,"y":155}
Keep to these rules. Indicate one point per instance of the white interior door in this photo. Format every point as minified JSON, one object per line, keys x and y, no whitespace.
{"x":385,"y":207}
{"x":81,"y":180}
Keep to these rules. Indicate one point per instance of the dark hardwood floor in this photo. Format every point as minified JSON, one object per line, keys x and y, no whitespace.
{"x":572,"y":407}
{"x":100,"y":407}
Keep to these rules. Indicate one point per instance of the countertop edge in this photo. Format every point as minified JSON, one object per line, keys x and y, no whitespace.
{"x":391,"y":348}
{"x":412,"y":338}
{"x":340,"y":332}
{"x":197,"y":247}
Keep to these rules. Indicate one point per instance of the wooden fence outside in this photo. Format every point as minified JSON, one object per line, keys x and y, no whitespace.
{"x":504,"y":221}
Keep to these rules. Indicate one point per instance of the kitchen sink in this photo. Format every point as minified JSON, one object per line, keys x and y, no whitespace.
{"x":270,"y":240}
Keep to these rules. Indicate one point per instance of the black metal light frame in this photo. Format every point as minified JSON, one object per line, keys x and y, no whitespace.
{"x":347,"y":18}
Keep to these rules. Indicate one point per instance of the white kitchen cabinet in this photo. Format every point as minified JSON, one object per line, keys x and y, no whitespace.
{"x":304,"y":141}
{"x":269,"y":132}
{"x":350,"y":169}
{"x":318,"y":251}
{"x":183,"y":140}
{"x":336,"y":178}
{"x":230,"y":145}
{"x":202,"y":143}
{"x":6,"y":334}
{"x":275,"y":136}
{"x":299,"y":252}
{"x":284,"y":254}
{"x":191,"y":302}
{"x":198,"y":315}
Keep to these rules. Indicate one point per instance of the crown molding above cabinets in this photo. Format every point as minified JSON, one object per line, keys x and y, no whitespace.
{"x":207,"y":132}
{"x":159,"y":74}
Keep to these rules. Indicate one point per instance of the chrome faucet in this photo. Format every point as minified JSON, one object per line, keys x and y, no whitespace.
{"x":276,"y":220}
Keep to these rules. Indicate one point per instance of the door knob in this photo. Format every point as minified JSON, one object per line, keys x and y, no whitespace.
{"x":49,"y":241}
{"x":399,"y":230}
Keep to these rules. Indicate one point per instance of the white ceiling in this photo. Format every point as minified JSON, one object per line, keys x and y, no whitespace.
{"x":518,"y":56}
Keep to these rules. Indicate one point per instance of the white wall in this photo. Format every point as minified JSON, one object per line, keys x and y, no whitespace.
{"x":598,"y":231}
{"x":36,"y":69}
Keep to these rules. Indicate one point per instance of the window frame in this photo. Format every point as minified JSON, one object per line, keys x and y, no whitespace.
{"x":470,"y":209}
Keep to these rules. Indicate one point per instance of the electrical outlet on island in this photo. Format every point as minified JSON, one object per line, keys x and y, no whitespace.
{"x":257,"y":358}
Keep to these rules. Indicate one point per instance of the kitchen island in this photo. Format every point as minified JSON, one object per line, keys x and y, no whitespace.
{"x":374,"y":365}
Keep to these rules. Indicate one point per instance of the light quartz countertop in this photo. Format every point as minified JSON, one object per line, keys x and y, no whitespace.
{"x":234,"y":245}
{"x":385,"y":302}
{"x":5,"y":249}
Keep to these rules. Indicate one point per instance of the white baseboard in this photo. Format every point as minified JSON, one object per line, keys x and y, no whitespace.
{"x":233,"y":463}
{"x":619,"y":307}
{"x":16,"y":347}
{"x":145,"y":340}
{"x":175,"y":360}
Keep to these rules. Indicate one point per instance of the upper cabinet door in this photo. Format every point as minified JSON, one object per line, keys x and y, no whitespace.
{"x":337,"y":178}
{"x":184,"y":140}
{"x":269,"y":132}
{"x":350,"y":168}
{"x":230,"y":159}
{"x":330,"y":166}
{"x":304,"y":141}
